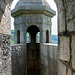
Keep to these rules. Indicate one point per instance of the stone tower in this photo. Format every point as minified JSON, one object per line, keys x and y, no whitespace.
{"x":32,"y":16}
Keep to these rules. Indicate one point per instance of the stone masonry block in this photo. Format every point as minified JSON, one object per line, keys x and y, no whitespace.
{"x":51,"y":49}
{"x":5,"y":55}
{"x":61,"y":68}
{"x":60,"y":5}
{"x":43,"y":37}
{"x":70,"y":16}
{"x":70,"y":10}
{"x":44,"y":54}
{"x":64,"y":48}
{"x":69,"y":71}
{"x":44,"y":70}
{"x":62,"y":21}
{"x":43,"y":50}
{"x":73,"y":73}
{"x":18,"y":59}
{"x":71,"y":25}
{"x":73,"y":51}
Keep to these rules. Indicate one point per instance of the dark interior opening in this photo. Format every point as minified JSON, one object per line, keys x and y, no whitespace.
{"x":18,"y":36}
{"x":47,"y":36}
{"x":33,"y":52}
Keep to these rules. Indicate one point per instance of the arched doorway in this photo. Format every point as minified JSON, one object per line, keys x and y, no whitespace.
{"x":33,"y":52}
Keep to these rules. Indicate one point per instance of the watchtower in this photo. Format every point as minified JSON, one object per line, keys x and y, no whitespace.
{"x":32,"y":16}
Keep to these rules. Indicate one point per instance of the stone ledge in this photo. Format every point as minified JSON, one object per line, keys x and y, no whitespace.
{"x":50,"y":44}
{"x":17,"y":45}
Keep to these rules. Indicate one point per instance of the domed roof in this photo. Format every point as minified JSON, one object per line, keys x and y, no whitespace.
{"x":32,"y":6}
{"x":31,"y":2}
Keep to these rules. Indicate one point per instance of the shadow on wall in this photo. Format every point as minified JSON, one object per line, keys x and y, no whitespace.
{"x":2,"y":8}
{"x":1,"y":13}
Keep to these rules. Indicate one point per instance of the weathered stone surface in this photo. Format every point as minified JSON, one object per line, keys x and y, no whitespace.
{"x":70,"y":7}
{"x":73,"y":73}
{"x":61,"y":20}
{"x":53,"y":51}
{"x":18,"y":59}
{"x":69,"y":71}
{"x":53,"y":59}
{"x":59,"y":4}
{"x":71,"y":25}
{"x":44,"y":70}
{"x":44,"y":54}
{"x":66,"y":21}
{"x":61,"y":68}
{"x":44,"y":50}
{"x":5,"y":20}
{"x":64,"y":53}
{"x":5,"y":55}
{"x":73,"y":51}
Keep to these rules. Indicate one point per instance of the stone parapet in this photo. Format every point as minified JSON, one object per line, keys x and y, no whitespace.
{"x":49,"y":59}
{"x":18,"y":59}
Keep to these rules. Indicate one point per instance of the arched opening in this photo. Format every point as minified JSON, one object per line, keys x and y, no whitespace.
{"x":33,"y":30}
{"x":33,"y":65}
{"x":33,"y":52}
{"x":47,"y":36}
{"x":18,"y":36}
{"x":61,"y":5}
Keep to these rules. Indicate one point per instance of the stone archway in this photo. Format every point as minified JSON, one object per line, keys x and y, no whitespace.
{"x":66,"y":36}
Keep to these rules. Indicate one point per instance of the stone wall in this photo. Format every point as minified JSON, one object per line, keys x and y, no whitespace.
{"x":53,"y":59}
{"x":5,"y":53}
{"x":66,"y":33}
{"x":5,"y":20}
{"x":44,"y":59}
{"x":18,"y":59}
{"x":49,"y":59}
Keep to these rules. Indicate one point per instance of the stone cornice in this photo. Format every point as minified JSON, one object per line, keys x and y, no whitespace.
{"x":33,"y":10}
